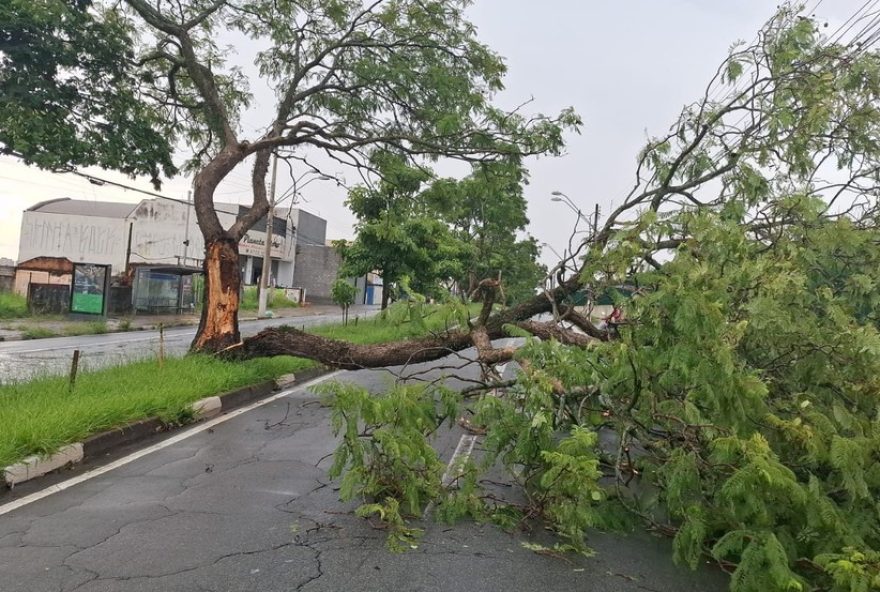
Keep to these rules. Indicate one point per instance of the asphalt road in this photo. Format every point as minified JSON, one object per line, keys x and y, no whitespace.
{"x":21,"y":360}
{"x":245,"y":505}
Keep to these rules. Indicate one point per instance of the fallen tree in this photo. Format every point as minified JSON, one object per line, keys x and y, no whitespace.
{"x":770,"y":124}
{"x":738,"y":404}
{"x":479,"y":334}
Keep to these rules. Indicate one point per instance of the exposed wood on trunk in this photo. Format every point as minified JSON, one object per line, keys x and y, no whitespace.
{"x":551,"y":330}
{"x":486,"y":353}
{"x":584,"y":324}
{"x":218,"y":328}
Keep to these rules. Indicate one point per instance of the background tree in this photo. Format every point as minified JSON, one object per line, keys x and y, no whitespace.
{"x":69,"y":91}
{"x":737,"y":406}
{"x":487,"y":213}
{"x":446,"y":232}
{"x":397,"y":235}
{"x":343,"y":293}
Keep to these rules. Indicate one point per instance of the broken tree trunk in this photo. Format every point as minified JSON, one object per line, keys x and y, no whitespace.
{"x":218,"y":328}
{"x":350,"y":356}
{"x":488,"y":327}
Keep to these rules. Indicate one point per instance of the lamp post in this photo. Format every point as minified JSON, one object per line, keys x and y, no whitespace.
{"x":561,"y":197}
{"x":267,"y":252}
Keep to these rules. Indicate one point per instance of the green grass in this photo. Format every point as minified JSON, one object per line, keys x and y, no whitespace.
{"x":277,"y":299}
{"x":70,"y":330}
{"x":36,"y":332}
{"x":395,"y":325}
{"x":12,"y":306}
{"x":87,"y":328}
{"x":40,"y":416}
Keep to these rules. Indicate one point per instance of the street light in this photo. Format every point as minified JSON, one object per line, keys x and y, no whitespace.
{"x":561,"y":197}
{"x":296,"y":187}
{"x":549,"y":246}
{"x":263,"y":299}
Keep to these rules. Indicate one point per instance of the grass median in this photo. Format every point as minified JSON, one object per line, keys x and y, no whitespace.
{"x":40,"y":416}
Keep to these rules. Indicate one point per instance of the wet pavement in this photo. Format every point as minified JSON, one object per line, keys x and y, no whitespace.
{"x":247,"y":506}
{"x":21,"y":360}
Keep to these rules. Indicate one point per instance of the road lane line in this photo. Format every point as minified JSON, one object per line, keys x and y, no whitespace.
{"x":58,"y":487}
{"x":466,"y":441}
{"x":463,"y":451}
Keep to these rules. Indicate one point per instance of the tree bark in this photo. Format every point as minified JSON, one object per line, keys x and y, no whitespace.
{"x":218,"y":328}
{"x":386,"y":294}
{"x":348,"y":356}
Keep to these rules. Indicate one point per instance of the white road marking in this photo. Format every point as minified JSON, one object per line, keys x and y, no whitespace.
{"x":58,"y":487}
{"x":466,"y":441}
{"x":465,"y":446}
{"x":462,"y":451}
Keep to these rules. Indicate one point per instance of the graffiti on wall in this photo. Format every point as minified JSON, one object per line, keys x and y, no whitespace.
{"x":71,"y":239}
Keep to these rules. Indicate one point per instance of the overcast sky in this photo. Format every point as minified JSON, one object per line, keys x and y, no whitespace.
{"x":626,"y":67}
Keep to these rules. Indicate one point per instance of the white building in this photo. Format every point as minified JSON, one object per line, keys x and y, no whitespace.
{"x":158,"y":231}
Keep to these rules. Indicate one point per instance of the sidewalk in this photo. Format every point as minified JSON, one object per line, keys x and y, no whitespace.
{"x":57,"y":326}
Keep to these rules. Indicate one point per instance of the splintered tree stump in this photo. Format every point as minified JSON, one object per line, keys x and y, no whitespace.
{"x":218,"y":328}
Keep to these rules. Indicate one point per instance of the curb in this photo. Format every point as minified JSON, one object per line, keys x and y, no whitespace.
{"x":102,"y":443}
{"x":34,"y":466}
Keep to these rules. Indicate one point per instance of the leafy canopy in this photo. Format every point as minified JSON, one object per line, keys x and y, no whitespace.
{"x":487,"y":214}
{"x":397,"y":236}
{"x":444,"y":232}
{"x":69,"y":91}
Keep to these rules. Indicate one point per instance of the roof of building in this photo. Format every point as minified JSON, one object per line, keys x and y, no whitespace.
{"x":84,"y":207}
{"x":50,"y":264}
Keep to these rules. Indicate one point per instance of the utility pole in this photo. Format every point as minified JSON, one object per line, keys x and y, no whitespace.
{"x":596,"y":222}
{"x":267,"y":253}
{"x":186,"y":228}
{"x":128,"y":247}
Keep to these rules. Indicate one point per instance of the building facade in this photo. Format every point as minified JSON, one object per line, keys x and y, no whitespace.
{"x":160,"y":232}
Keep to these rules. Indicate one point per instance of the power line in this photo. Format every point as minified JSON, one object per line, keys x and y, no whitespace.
{"x":852,"y":21}
{"x":97,"y":180}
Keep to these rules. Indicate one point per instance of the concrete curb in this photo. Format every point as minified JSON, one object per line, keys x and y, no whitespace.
{"x":35,"y":466}
{"x":206,"y":408}
{"x":104,"y":442}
